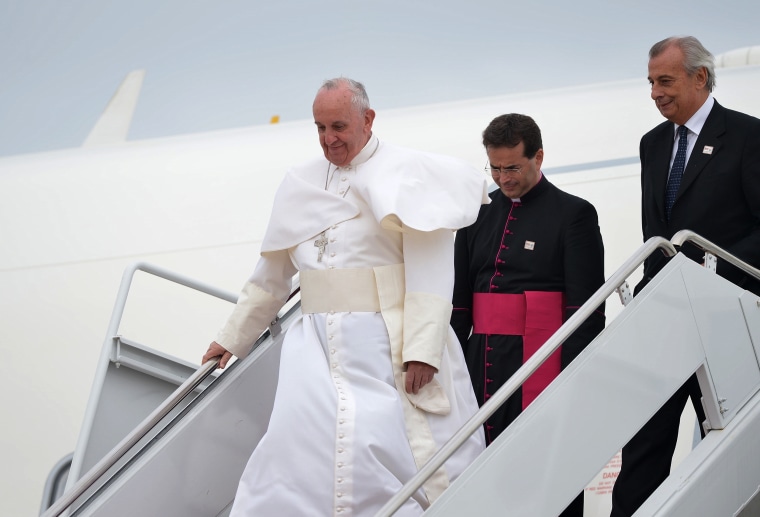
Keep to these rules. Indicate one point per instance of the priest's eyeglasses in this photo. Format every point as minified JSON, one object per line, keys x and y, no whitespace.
{"x":509,"y":171}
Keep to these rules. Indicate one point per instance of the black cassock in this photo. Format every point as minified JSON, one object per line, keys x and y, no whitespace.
{"x":549,"y":241}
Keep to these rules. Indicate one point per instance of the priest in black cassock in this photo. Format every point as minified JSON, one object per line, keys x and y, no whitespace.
{"x":532,"y":258}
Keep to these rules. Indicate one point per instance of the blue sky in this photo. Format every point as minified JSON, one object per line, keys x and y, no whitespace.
{"x":231,"y":63}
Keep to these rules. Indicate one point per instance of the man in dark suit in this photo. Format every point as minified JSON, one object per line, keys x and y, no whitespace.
{"x":710,"y":186}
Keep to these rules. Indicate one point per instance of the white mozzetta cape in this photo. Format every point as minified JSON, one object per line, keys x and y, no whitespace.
{"x":424,"y":191}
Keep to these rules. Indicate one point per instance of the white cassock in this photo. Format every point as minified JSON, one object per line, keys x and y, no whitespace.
{"x":373,"y":242}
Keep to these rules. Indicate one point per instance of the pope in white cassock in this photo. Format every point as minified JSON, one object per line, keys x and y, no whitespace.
{"x":372,"y":379}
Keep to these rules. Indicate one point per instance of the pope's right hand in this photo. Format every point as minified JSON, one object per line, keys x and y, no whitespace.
{"x":216,"y":350}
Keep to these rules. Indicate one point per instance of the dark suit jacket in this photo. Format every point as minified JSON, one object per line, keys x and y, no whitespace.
{"x":719,"y":197}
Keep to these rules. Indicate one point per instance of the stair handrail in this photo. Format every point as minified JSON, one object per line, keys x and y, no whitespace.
{"x":55,"y":480}
{"x":137,"y":434}
{"x":683,"y":236}
{"x":526,"y":370}
{"x":112,"y":334}
{"x":70,"y":496}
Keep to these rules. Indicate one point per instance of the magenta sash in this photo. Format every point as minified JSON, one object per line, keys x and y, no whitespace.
{"x":534,"y":315}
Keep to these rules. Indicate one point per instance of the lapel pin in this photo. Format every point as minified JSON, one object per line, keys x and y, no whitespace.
{"x":707,"y":150}
{"x":529,"y":245}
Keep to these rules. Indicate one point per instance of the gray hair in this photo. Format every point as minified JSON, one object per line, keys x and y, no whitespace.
{"x":696,"y":56}
{"x":359,"y":97}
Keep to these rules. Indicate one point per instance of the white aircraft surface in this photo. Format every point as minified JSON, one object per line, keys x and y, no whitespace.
{"x":71,"y":221}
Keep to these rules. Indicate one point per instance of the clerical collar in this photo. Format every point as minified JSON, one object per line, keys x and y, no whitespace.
{"x":540,"y":180}
{"x":365,"y":154}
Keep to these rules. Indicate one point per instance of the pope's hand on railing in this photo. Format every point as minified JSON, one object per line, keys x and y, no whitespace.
{"x":216,"y":350}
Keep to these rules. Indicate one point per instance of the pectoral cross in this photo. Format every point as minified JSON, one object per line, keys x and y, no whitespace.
{"x":321,"y":243}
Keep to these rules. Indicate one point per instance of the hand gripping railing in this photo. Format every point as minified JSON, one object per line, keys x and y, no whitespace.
{"x":684,"y":236}
{"x":525,"y":371}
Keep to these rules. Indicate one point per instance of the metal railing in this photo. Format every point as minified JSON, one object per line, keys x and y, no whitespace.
{"x":118,"y":452}
{"x":149,"y":423}
{"x":56,"y":482}
{"x":112,"y":334}
{"x":121,"y":449}
{"x":616,"y":281}
{"x":684,"y":236}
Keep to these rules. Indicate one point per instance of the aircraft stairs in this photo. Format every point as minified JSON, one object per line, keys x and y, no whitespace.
{"x":686,"y":320}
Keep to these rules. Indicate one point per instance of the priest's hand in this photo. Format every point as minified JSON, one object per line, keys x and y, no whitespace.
{"x":216,"y":350}
{"x":417,"y":375}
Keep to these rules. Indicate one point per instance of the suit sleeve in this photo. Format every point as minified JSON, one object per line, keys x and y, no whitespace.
{"x":748,"y":248}
{"x":461,"y":316}
{"x":654,"y":262}
{"x":584,"y":274}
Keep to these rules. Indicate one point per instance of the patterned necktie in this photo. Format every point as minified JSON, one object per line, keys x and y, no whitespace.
{"x":676,"y":172}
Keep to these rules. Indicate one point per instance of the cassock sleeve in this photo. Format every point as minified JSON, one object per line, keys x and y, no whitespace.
{"x":429,"y":277}
{"x":461,"y":316}
{"x":261,"y":297}
{"x":584,"y":274}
